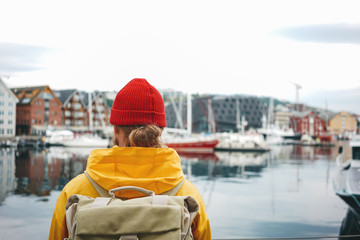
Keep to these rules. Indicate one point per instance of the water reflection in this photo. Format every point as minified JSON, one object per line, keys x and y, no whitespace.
{"x":274,"y":188}
{"x":7,"y":172}
{"x":27,"y":171}
{"x":225,"y":164}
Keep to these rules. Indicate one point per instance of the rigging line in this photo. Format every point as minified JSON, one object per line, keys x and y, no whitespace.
{"x":291,"y":238}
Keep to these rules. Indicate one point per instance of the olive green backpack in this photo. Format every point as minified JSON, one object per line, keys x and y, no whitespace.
{"x":160,"y":217}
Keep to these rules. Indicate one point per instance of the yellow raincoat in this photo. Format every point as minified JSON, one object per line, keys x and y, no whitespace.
{"x":156,"y":169}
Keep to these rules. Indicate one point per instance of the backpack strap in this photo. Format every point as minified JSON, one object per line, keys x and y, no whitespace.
{"x":104,"y":193}
{"x":173,"y":191}
{"x":99,"y":189}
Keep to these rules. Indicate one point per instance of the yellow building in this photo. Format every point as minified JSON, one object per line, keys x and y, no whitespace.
{"x":343,"y":123}
{"x":282,"y":117}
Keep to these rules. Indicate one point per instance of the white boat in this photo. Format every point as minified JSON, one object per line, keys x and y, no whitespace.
{"x":347,"y":179}
{"x":241,"y":142}
{"x":189,"y":143}
{"x":183,"y":140}
{"x":68,"y":138}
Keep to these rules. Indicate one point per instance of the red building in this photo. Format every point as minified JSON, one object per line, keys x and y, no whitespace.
{"x":310,"y":123}
{"x":38,"y":108}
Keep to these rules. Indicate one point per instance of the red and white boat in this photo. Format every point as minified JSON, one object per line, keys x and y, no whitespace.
{"x":183,"y":140}
{"x":187,"y":142}
{"x":192,"y":144}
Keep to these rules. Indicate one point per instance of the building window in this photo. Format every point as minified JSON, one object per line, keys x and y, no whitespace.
{"x":1,"y":103}
{"x":10,"y":104}
{"x":10,"y":113}
{"x":10,"y":122}
{"x":77,"y":106}
{"x":1,"y":131}
{"x":1,"y":122}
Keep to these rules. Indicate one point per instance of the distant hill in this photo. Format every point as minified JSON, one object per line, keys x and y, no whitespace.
{"x":338,"y":100}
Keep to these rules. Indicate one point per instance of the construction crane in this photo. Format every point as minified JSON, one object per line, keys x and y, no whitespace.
{"x":298,"y":87}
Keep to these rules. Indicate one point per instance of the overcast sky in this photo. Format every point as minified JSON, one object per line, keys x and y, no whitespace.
{"x":228,"y":47}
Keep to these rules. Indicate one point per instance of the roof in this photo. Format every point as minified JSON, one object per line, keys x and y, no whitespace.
{"x":64,"y":95}
{"x":85,"y":97}
{"x":26,"y":95}
{"x":95,"y":95}
{"x":8,"y":90}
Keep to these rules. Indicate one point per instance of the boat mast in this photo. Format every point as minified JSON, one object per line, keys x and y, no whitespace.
{"x":270,"y":117}
{"x":211,"y":117}
{"x":238,"y":124}
{"x":189,"y":114}
{"x":177,"y":111}
{"x":90,"y":113}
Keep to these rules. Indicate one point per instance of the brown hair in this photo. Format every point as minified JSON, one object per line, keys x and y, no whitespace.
{"x":142,"y":136}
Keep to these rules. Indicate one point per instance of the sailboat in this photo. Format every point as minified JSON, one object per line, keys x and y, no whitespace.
{"x":241,"y":141}
{"x":183,"y":140}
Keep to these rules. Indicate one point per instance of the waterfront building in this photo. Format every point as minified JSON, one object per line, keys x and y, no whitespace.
{"x":74,"y":113}
{"x":109,"y":97}
{"x":295,"y":121}
{"x":216,"y":113}
{"x":37,"y":109}
{"x":7,"y":111}
{"x":222,"y":113}
{"x":99,"y":110}
{"x":297,"y":107}
{"x":309,"y":123}
{"x":282,"y":116}
{"x":175,"y":108}
{"x":343,"y":124}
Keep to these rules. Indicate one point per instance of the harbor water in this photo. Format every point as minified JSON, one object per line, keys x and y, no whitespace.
{"x":286,"y":192}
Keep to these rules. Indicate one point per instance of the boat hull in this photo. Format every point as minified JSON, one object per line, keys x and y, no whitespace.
{"x":196,"y":146}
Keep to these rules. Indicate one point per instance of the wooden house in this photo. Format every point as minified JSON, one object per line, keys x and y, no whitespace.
{"x":343,"y":123}
{"x":36,"y":110}
{"x":308,"y":123}
{"x":98,"y":112}
{"x":74,"y":112}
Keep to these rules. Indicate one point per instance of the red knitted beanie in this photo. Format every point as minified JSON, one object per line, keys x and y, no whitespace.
{"x":138,"y":103}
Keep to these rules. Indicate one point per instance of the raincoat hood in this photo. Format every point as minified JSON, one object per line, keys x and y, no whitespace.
{"x":156,"y":169}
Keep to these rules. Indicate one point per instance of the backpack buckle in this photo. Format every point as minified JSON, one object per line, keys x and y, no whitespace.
{"x":129,"y":237}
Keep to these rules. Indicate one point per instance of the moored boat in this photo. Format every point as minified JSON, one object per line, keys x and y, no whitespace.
{"x":241,"y":142}
{"x":68,"y":138}
{"x":191,"y":143}
{"x":347,"y":179}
